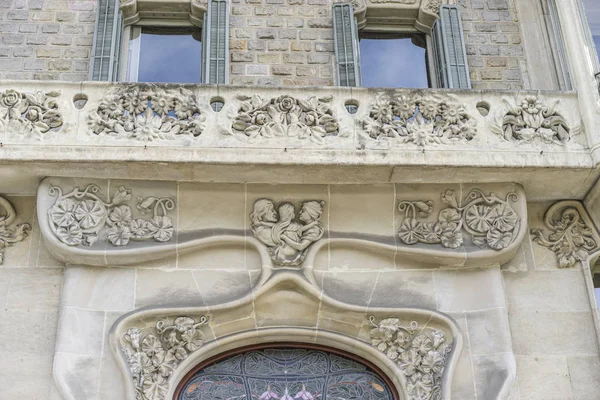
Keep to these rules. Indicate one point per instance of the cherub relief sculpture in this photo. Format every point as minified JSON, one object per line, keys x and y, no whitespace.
{"x":286,"y":239}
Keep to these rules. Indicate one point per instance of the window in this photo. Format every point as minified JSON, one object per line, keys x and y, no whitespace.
{"x":304,"y":372}
{"x":592,"y":8}
{"x":161,"y":47}
{"x":400,"y":59}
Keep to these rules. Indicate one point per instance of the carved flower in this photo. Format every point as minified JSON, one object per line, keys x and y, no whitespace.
{"x":451,"y":239}
{"x":531,"y":105}
{"x":429,"y":109}
{"x":161,"y":228}
{"x":421,"y":131}
{"x":133,"y":336}
{"x":119,"y":235}
{"x":10,"y":98}
{"x":409,"y":231}
{"x":409,"y":361}
{"x":161,"y":104}
{"x":438,"y":338}
{"x":121,"y":215}
{"x":420,"y":386}
{"x":147,"y":126}
{"x":309,"y":118}
{"x":111,"y":106}
{"x":135,"y":102}
{"x":95,"y":122}
{"x":62,"y":213}
{"x":506,"y":219}
{"x":123,"y":194}
{"x":151,"y":345}
{"x":260,"y":118}
{"x":193,"y":339}
{"x":422,"y":344}
{"x":196,"y":124}
{"x":182,"y":324}
{"x":432,"y":362}
{"x":431,"y":232}
{"x":71,"y":235}
{"x":451,"y":112}
{"x":382,"y":110}
{"x":89,"y":213}
{"x":184,"y":109}
{"x":449,"y":219}
{"x":139,"y":228}
{"x":285,"y":103}
{"x":34,"y":114}
{"x":404,"y":107}
{"x":499,"y":240}
{"x":480,"y":218}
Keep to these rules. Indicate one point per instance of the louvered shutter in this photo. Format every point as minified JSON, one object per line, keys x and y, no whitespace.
{"x":216,"y":44}
{"x":104,"y":63}
{"x":558,"y":47}
{"x":346,"y":45}
{"x":450,"y":55}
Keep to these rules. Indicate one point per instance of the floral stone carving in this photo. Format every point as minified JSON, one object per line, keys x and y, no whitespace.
{"x":9,"y":236}
{"x":152,"y":358}
{"x":490,"y":220}
{"x":29,"y":113}
{"x":81,"y":217}
{"x":147,"y":113}
{"x":420,"y":352}
{"x":286,"y":238}
{"x":430,"y":119}
{"x":570,"y":237}
{"x":531,"y":120}
{"x":284,"y":116}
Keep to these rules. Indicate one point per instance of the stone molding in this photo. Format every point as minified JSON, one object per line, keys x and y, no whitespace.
{"x":135,"y":10}
{"x":434,"y":330}
{"x":9,"y":235}
{"x":417,"y":14}
{"x":572,"y":235}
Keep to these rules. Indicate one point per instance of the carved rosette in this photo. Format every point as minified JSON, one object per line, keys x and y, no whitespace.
{"x":146,"y":113}
{"x":30,"y":114}
{"x":571,"y":238}
{"x":532,"y":120}
{"x":490,"y":220}
{"x":287,"y":238}
{"x":283,"y":117}
{"x":153,"y":357}
{"x":10,"y":236}
{"x":421,"y":120}
{"x":420,"y":352}
{"x":81,"y":217}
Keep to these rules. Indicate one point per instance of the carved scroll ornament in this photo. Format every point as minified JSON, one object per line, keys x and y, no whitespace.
{"x":146,"y":113}
{"x":153,"y":357}
{"x":420,"y":352}
{"x":9,"y":236}
{"x":26,"y":113}
{"x":419,"y":120}
{"x":572,"y":236}
{"x":285,"y":116}
{"x":287,"y":238}
{"x":490,"y":220}
{"x":81,"y":217}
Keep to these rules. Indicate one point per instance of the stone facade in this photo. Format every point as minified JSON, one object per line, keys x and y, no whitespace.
{"x":448,"y":237}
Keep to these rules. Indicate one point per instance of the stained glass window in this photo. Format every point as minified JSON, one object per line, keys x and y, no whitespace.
{"x":286,"y":374}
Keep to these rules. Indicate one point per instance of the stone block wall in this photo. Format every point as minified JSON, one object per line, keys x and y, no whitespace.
{"x":494,"y":44}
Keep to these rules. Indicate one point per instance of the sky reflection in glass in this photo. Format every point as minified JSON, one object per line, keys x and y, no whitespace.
{"x":392,"y":63}
{"x":597,"y":43}
{"x":169,"y":58}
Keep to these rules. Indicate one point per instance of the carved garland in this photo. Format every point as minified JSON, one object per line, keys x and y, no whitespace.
{"x":532,"y":120}
{"x":420,"y":352}
{"x":420,"y":120}
{"x":152,"y":358}
{"x":285,"y":116}
{"x":147,"y":113}
{"x":80,"y":217}
{"x":570,"y":237}
{"x":9,"y":237}
{"x":29,"y":113}
{"x":490,"y":220}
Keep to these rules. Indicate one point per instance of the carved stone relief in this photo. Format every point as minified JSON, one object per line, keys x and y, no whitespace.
{"x":572,"y":235}
{"x":81,"y":217}
{"x":285,"y":116}
{"x":532,"y":120}
{"x":147,"y":113}
{"x":490,"y":220}
{"x":420,"y":352}
{"x":421,"y":120}
{"x":29,"y":114}
{"x":434,"y":6}
{"x":153,"y":357}
{"x":287,"y":238}
{"x":9,"y":236}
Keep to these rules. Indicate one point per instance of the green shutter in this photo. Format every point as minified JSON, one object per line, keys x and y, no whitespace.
{"x":558,"y":47}
{"x":347,"y":56}
{"x":104,"y":63}
{"x":216,"y":42}
{"x":450,"y":55}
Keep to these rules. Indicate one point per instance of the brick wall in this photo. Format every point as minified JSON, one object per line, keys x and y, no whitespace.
{"x":46,"y":39}
{"x":494,"y":50}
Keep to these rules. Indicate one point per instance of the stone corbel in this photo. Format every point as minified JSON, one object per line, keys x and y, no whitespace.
{"x":135,"y":10}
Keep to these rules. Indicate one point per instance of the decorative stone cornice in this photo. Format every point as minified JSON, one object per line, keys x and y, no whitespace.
{"x":9,"y":236}
{"x":418,"y":14}
{"x":572,"y":235}
{"x":135,"y":10}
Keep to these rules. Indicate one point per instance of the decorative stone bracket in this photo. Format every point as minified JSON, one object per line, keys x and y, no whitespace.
{"x":134,"y":10}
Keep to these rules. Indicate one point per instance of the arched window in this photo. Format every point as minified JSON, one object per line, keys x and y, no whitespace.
{"x":285,"y":372}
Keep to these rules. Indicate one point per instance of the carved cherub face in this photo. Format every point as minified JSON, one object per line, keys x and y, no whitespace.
{"x":264,"y":211}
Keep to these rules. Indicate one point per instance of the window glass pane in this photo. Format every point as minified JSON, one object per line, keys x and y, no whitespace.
{"x":592,"y":8}
{"x":392,"y":63}
{"x":168,"y":55}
